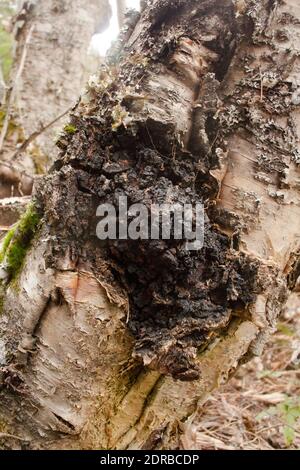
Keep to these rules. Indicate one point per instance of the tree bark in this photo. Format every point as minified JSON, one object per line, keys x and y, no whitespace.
{"x":2,"y":85}
{"x":112,"y":345}
{"x":121,"y":9}
{"x":51,"y":56}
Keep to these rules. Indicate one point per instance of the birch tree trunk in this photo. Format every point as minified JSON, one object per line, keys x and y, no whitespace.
{"x":113,"y":345}
{"x":49,"y":72}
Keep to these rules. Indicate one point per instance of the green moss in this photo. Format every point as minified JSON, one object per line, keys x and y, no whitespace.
{"x":39,"y":159}
{"x":18,"y":240}
{"x":15,"y":257}
{"x":70,"y":129}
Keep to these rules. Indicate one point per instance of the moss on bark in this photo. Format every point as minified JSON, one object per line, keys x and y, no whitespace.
{"x":17,"y":242}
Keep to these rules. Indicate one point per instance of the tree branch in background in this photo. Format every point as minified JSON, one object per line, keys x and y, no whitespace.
{"x":10,"y":96}
{"x":38,"y":132}
{"x":121,"y":8}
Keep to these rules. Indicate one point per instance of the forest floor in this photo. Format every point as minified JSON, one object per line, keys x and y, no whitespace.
{"x":260,"y":407}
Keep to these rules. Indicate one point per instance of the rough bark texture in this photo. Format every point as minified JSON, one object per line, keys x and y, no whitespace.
{"x":111,"y":345}
{"x":51,"y":57}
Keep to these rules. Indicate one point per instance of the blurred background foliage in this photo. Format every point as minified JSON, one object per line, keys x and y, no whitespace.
{"x":7,"y":9}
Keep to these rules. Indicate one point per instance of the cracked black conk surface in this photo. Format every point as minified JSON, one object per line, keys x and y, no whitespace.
{"x":178,"y":298}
